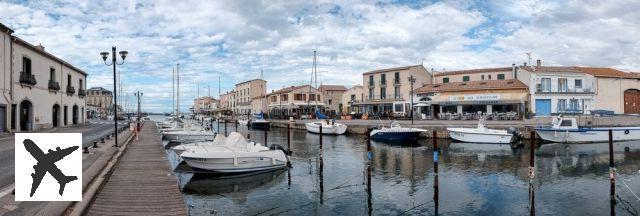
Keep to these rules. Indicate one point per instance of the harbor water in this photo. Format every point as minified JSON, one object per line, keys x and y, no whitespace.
{"x":472,"y":179}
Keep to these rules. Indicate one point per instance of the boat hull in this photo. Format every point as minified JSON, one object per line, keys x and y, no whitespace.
{"x":395,"y":135}
{"x":337,"y":129}
{"x":260,"y":125}
{"x":479,"y":137}
{"x":226,"y":165}
{"x":588,"y":135}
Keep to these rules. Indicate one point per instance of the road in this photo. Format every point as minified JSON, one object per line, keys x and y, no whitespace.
{"x":90,"y":132}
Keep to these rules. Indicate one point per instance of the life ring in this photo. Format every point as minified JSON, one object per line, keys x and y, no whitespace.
{"x":626,"y":131}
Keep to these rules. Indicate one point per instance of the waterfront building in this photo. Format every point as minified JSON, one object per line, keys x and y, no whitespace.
{"x":459,"y":100}
{"x":40,"y":90}
{"x":352,"y":96}
{"x":259,"y":104}
{"x":102,"y":101}
{"x":332,"y":96}
{"x":616,"y":91}
{"x":295,"y":101}
{"x":501,"y":73}
{"x":205,"y":105}
{"x":387,"y":91}
{"x":244,"y":94}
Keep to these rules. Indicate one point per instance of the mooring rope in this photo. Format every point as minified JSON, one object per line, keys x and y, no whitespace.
{"x":625,"y":184}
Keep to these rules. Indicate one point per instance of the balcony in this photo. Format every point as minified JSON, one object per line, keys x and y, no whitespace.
{"x":565,"y":91}
{"x":27,"y":79}
{"x":82,"y":93}
{"x":70,"y":90}
{"x":383,"y":83}
{"x":53,"y":85}
{"x":371,"y":85}
{"x":396,"y":82}
{"x":389,"y":97}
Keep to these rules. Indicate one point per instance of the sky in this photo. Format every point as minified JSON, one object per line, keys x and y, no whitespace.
{"x":235,"y":40}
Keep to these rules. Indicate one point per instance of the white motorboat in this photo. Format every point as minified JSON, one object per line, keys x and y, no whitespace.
{"x":480,"y":134}
{"x":243,"y":121}
{"x":235,"y":156}
{"x":328,"y":127}
{"x":168,"y":122}
{"x":191,"y":134}
{"x":219,"y":140}
{"x":566,"y":130}
{"x":396,"y":133}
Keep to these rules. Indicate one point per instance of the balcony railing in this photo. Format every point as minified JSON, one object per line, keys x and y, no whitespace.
{"x":396,"y":81}
{"x":82,"y":93}
{"x":564,"y":91}
{"x":371,"y":84}
{"x":27,"y":79}
{"x":243,"y":104}
{"x":385,"y":97}
{"x":70,"y":90}
{"x":383,"y":83}
{"x":53,"y":85}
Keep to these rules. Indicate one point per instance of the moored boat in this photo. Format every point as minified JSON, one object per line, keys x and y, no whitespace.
{"x":328,"y":127}
{"x":396,"y":133}
{"x":566,"y":130}
{"x":480,"y":134}
{"x":259,"y":122}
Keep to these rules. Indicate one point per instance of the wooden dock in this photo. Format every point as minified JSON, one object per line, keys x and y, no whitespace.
{"x":141,"y":183}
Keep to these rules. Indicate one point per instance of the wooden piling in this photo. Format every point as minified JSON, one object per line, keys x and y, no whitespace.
{"x":225,"y":127}
{"x":321,"y":169}
{"x":289,"y":138}
{"x":612,"y":177}
{"x":532,"y":172}
{"x":436,"y":187}
{"x":265,"y":137}
{"x":320,"y":137}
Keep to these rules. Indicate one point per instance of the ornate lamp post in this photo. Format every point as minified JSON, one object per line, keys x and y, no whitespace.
{"x":411,"y":81}
{"x":114,"y":62}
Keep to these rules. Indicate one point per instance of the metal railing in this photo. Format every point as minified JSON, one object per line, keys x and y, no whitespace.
{"x":27,"y":78}
{"x":82,"y":93}
{"x":71,"y":90}
{"x":385,"y":97}
{"x":53,"y":85}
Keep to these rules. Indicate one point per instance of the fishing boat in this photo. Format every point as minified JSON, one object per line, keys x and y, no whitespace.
{"x":481,"y":134}
{"x":566,"y":130}
{"x":259,"y":122}
{"x":328,"y":126}
{"x":237,"y":155}
{"x":396,"y":133}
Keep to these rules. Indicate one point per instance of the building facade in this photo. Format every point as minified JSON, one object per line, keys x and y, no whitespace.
{"x":40,"y":90}
{"x":244,"y":94}
{"x":6,"y":102}
{"x":352,"y":96}
{"x":388,"y":91}
{"x":332,"y":98}
{"x":502,"y":73}
{"x":295,"y":101}
{"x":616,"y":90}
{"x":101,"y":99}
{"x":205,"y":105}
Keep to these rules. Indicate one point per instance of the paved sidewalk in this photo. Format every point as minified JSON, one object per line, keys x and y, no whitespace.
{"x":142,"y":182}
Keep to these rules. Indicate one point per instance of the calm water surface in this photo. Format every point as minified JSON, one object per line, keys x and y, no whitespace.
{"x":473,"y":179}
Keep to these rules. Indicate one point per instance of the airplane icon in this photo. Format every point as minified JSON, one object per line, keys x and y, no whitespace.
{"x":46,"y":163}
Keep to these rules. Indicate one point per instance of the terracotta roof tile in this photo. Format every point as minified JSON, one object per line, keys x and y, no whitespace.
{"x":332,"y":88}
{"x":392,"y":69}
{"x":472,"y":86}
{"x":595,"y":71}
{"x":288,"y":89}
{"x":472,"y":71}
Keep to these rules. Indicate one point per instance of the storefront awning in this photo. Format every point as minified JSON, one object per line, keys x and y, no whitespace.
{"x":452,"y":98}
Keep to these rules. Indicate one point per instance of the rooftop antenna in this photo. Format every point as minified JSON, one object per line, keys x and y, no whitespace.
{"x":528,"y":57}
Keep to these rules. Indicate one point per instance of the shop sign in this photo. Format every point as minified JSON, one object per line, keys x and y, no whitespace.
{"x":475,"y":97}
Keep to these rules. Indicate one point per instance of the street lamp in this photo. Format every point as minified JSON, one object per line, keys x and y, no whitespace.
{"x":114,"y":62}
{"x":411,"y":81}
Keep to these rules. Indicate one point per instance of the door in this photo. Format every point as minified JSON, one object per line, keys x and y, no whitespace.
{"x":543,"y":107}
{"x":632,"y":101}
{"x":25,"y":116}
{"x":55,"y":113}
{"x":3,"y":118}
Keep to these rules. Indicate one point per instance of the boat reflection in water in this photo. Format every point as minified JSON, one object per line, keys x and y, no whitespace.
{"x":234,"y":187}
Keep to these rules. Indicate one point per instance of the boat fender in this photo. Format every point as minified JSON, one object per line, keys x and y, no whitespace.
{"x":235,"y":159}
{"x":273,"y":158}
{"x":626,"y":131}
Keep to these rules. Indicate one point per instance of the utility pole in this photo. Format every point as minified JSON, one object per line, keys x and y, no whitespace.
{"x":411,"y":81}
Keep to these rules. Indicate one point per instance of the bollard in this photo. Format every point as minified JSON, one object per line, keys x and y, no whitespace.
{"x":102,"y":140}
{"x":236,"y":125}
{"x":95,"y":144}
{"x":85,"y":149}
{"x":320,"y":138}
{"x":225,"y":127}
{"x":265,"y":137}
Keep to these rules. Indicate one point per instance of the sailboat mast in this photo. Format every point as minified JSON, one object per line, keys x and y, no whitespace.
{"x":178,"y":90}
{"x":173,"y":88}
{"x":315,"y":72}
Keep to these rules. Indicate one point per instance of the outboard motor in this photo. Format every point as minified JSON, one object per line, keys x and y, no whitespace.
{"x":517,"y":137}
{"x":279,"y":147}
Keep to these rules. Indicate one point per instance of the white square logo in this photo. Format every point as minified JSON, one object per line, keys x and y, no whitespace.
{"x":48,"y":166}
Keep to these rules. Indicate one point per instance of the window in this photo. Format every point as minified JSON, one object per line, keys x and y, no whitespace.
{"x":396,"y":78}
{"x":312,"y":97}
{"x":284,"y":97}
{"x":562,"y":85}
{"x":398,"y":108}
{"x":298,"y":97}
{"x":565,"y":123}
{"x":396,"y":92}
{"x":383,"y":93}
{"x":329,"y":101}
{"x":465,"y":79}
{"x":489,"y":77}
{"x":482,"y":77}
{"x":383,"y":79}
{"x":69,"y":80}
{"x":26,"y":65}
{"x":545,"y":84}
{"x":274,"y":98}
{"x":578,"y":83}
{"x":52,"y":74}
{"x":562,"y":105}
{"x":371,"y":80}
{"x":445,"y":80}
{"x":80,"y":84}
{"x":573,"y":105}
{"x":370,"y":93}
{"x":353,"y":97}
{"x":500,"y":76}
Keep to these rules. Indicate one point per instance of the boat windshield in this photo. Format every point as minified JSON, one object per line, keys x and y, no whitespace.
{"x":395,"y":124}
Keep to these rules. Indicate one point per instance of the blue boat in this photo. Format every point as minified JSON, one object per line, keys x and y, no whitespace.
{"x":396,"y":133}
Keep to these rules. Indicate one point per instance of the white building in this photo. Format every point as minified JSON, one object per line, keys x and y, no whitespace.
{"x":39,"y":89}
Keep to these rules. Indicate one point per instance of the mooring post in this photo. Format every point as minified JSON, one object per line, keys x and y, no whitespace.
{"x":434,"y":138}
{"x":218,"y":122}
{"x":225,"y":127}
{"x":321,"y":169}
{"x":102,"y":140}
{"x":320,"y":139}
{"x":369,"y":153}
{"x":95,"y":144}
{"x":85,"y":149}
{"x":532,"y":172}
{"x":265,"y":137}
{"x":612,"y":170}
{"x":236,"y":127}
{"x":289,"y":138}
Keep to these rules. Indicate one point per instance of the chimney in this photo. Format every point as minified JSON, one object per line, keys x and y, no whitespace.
{"x":538,"y":63}
{"x":514,"y":73}
{"x":524,"y":64}
{"x":40,"y":47}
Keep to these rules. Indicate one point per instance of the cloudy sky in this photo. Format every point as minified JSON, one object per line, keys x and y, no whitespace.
{"x":237,"y":39}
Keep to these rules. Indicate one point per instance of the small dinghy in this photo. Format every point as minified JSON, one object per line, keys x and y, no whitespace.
{"x":235,"y":156}
{"x":396,"y":133}
{"x":480,"y":134}
{"x":566,"y":130}
{"x":328,"y":127}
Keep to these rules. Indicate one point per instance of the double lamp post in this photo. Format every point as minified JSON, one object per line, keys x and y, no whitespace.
{"x":114,"y":62}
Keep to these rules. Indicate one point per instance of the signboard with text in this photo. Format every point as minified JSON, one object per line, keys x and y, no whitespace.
{"x":475,"y":97}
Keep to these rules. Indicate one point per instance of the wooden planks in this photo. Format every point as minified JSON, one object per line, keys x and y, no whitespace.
{"x":140,"y":183}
